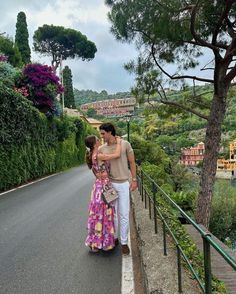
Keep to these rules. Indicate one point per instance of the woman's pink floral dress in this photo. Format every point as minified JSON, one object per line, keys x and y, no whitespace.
{"x":101,"y":217}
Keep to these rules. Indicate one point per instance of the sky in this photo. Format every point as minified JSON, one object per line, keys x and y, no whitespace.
{"x":105,"y":71}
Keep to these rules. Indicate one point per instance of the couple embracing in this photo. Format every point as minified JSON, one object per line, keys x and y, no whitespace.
{"x":109,"y":163}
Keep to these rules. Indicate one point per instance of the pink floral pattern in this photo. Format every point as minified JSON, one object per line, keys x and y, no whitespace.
{"x":100,"y":226}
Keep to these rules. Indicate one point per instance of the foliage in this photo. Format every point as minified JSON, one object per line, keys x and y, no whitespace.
{"x":8,"y":74}
{"x":32,"y":146}
{"x":9,"y":49}
{"x":172,"y":144}
{"x":15,"y":117}
{"x":43,"y":85}
{"x":223,"y":216}
{"x":186,"y":200}
{"x":22,"y":37}
{"x":61,"y":43}
{"x":146,"y":151}
{"x":69,"y":100}
{"x":157,"y":173}
{"x":181,"y":177}
{"x":91,"y":112}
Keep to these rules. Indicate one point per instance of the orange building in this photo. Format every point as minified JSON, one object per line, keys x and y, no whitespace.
{"x":193,"y":155}
{"x":228,"y":164}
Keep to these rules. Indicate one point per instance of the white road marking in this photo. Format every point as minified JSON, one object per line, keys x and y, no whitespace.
{"x":127,"y":275}
{"x":28,"y":184}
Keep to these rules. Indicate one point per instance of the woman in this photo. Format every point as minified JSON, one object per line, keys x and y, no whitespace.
{"x":101,"y":216}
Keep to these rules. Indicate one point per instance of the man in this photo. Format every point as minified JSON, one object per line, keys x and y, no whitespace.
{"x":119,"y":175}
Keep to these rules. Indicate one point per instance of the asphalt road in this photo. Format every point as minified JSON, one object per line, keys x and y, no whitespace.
{"x":42,"y":233}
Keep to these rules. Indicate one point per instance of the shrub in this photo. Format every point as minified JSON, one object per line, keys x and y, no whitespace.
{"x":8,"y":74}
{"x":43,"y":86}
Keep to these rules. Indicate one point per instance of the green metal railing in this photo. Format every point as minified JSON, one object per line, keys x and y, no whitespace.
{"x":150,"y":202}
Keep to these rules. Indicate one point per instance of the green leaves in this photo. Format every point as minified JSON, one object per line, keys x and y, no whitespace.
{"x":22,"y":37}
{"x":69,"y":100}
{"x":11,"y":50}
{"x":59,"y":42}
{"x":31,"y":145}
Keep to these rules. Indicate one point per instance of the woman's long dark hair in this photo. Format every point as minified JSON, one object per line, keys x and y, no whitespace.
{"x":90,"y":142}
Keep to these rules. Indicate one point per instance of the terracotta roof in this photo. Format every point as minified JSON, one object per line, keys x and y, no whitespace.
{"x":93,"y":120}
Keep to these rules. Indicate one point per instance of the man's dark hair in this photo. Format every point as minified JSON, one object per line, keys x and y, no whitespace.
{"x":108,"y":127}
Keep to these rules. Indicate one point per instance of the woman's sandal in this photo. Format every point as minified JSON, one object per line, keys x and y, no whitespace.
{"x":93,"y":249}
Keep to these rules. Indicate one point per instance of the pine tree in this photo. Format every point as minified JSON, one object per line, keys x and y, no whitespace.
{"x":22,"y":37}
{"x":69,"y":100}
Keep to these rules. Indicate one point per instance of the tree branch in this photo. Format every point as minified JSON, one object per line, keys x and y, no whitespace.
{"x":218,"y":44}
{"x":230,"y":53}
{"x":221,"y":19}
{"x":178,"y":77}
{"x":197,"y":38}
{"x":184,"y":108}
{"x":231,"y":31}
{"x":231,"y":75}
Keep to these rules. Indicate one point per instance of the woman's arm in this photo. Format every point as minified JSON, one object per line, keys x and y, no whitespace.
{"x":116,"y":154}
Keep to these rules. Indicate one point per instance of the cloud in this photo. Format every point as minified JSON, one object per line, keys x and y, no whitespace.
{"x":106,"y":71}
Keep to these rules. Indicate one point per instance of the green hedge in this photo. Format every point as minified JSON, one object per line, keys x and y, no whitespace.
{"x":31,"y":145}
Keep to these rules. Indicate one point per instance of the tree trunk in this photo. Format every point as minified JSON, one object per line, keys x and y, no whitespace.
{"x":212,"y":144}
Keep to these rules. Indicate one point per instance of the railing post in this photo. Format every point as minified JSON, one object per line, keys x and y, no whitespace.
{"x":154,"y":191}
{"x":179,"y":270}
{"x":149,"y":207}
{"x":145,"y":198}
{"x":142,"y":184}
{"x":164,"y":238}
{"x":138,"y":178}
{"x":207,"y":265}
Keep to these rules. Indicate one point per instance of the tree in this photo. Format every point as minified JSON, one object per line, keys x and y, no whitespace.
{"x":22,"y":37}
{"x":91,"y":112}
{"x":69,"y":100}
{"x":180,"y":32}
{"x":61,"y":43}
{"x":9,"y":49}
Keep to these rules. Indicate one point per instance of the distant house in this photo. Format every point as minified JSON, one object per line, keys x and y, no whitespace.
{"x":72,"y":112}
{"x":75,"y":113}
{"x":193,"y":155}
{"x":93,"y":122}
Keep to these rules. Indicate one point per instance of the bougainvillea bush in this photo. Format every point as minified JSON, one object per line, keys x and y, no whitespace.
{"x":42,"y":85}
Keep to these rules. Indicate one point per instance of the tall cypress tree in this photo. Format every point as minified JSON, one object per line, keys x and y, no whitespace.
{"x":22,"y":37}
{"x":69,"y":99}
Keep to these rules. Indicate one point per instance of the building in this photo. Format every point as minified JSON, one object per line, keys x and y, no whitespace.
{"x":112,"y":107}
{"x":75,"y":113}
{"x":229,"y":164}
{"x":193,"y":155}
{"x":93,"y":122}
{"x":72,"y":112}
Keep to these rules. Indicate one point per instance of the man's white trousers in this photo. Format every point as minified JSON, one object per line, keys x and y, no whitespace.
{"x":122,"y":206}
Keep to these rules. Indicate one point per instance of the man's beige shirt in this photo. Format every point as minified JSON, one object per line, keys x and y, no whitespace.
{"x":119,"y":171}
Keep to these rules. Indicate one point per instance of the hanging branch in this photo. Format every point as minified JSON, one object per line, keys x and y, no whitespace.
{"x":177,"y":77}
